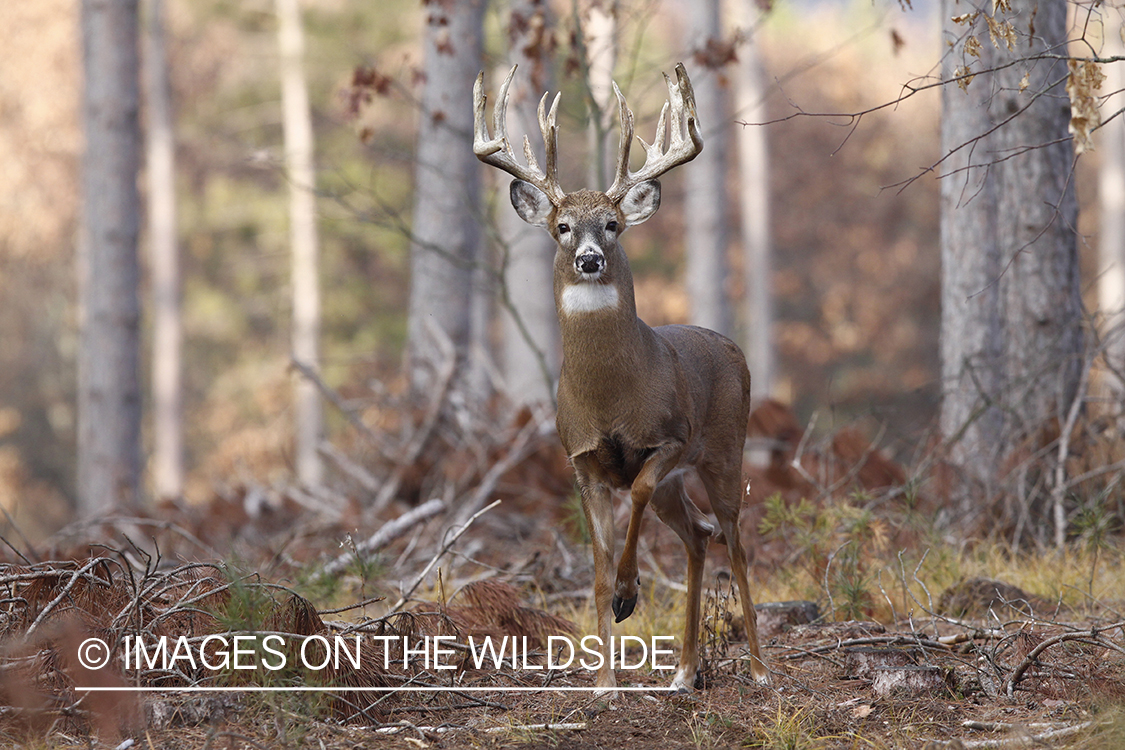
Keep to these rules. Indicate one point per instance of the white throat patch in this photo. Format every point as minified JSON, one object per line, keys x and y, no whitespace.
{"x":588,"y":298}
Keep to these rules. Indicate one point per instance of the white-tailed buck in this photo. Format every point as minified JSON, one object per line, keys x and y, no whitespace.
{"x":637,"y":406}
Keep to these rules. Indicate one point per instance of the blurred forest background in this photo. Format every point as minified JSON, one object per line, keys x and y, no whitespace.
{"x":856,"y":262}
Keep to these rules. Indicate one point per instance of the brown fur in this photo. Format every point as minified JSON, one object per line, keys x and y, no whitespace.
{"x":637,"y":406}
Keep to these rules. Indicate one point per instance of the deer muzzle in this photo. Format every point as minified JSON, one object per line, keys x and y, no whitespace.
{"x":590,"y":264}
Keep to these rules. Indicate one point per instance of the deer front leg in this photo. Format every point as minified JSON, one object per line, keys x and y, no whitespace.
{"x":597,"y":504}
{"x":656,"y":467}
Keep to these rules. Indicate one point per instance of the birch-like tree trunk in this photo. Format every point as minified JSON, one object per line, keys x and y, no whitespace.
{"x":706,"y":220}
{"x":109,"y":393}
{"x":446,"y":240}
{"x":599,"y":34}
{"x":531,"y":332}
{"x":304,"y":276}
{"x":167,"y":331}
{"x":446,"y":232}
{"x":1111,"y":213}
{"x":754,"y":200}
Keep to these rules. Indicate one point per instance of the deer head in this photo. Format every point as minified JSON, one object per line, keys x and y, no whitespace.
{"x":586,"y":224}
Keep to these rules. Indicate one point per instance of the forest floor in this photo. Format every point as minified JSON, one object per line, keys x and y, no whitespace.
{"x":986,"y":665}
{"x":820,"y":699}
{"x":881,"y":629}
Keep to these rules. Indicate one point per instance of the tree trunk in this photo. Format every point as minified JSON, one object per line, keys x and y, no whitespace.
{"x":600,"y":38}
{"x":167,"y":333}
{"x":706,"y":222}
{"x":304,"y":277}
{"x":1012,"y":315}
{"x":446,"y":234}
{"x":754,"y":197}
{"x":1111,"y":217}
{"x":1037,"y":227}
{"x":971,"y":307}
{"x":531,"y":331}
{"x":109,"y":395}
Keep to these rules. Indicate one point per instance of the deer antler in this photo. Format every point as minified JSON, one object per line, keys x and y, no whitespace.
{"x":498,"y":151}
{"x":685,"y":141}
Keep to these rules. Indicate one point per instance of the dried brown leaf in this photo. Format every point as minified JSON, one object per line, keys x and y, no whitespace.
{"x":963,"y":77}
{"x":1001,"y":31}
{"x":1082,"y":83}
{"x":972,"y":46}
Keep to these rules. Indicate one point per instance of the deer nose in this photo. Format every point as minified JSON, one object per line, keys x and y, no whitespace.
{"x":589,"y":263}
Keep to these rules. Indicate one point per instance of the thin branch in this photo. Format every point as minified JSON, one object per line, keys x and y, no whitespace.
{"x":386,"y":534}
{"x":1033,"y":655}
{"x":336,"y":400}
{"x":441,"y":553}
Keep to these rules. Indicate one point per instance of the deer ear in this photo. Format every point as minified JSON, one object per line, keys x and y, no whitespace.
{"x":641,"y":202}
{"x":530,"y":202}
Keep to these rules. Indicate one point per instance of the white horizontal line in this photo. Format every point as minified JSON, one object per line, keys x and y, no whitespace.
{"x":367,"y":689}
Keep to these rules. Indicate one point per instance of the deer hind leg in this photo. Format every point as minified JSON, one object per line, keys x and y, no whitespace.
{"x":724,"y":488}
{"x":656,"y":467}
{"x":678,"y":512}
{"x":597,"y":504}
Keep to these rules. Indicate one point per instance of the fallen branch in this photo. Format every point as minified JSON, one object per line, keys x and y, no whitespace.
{"x":336,"y":400}
{"x":441,"y":553}
{"x":421,"y":436}
{"x":536,"y":727}
{"x":522,"y":446}
{"x":80,"y":573}
{"x":386,"y":534}
{"x":1019,"y":740}
{"x":407,"y":726}
{"x":348,"y":466}
{"x":885,"y":640}
{"x":1033,"y":655}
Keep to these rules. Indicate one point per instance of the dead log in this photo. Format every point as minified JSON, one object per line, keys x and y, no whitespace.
{"x":911,"y":681}
{"x":861,"y":662}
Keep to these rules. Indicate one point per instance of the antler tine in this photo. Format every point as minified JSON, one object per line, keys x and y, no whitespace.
{"x":498,"y":152}
{"x":482,"y":145}
{"x":500,"y":113}
{"x":687,"y":104}
{"x":548,"y":126}
{"x":529,"y":154}
{"x":671,"y":147}
{"x":621,"y":174}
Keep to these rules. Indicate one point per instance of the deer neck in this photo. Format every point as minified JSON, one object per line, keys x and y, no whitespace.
{"x":604,"y":343}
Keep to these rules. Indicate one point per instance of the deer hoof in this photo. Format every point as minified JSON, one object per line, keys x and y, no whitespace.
{"x":622,"y":608}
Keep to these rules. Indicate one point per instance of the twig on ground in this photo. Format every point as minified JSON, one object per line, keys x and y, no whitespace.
{"x":386,"y":534}
{"x":441,"y":553}
{"x":350,"y":607}
{"x":885,"y":640}
{"x":1019,"y":740}
{"x":81,"y":572}
{"x":1033,"y":655}
{"x":361,"y":475}
{"x":536,"y":727}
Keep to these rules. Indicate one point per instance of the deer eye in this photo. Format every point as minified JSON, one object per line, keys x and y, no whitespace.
{"x":564,"y":228}
{"x":611,"y":226}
